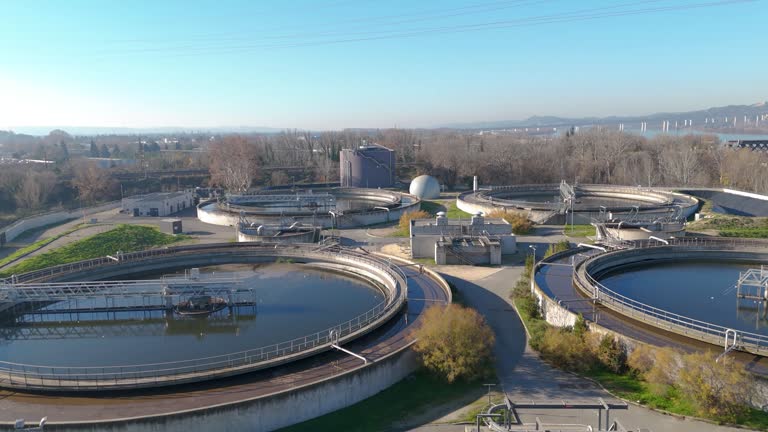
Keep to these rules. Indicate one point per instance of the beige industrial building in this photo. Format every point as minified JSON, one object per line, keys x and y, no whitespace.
{"x":479,"y":240}
{"x":159,"y":204}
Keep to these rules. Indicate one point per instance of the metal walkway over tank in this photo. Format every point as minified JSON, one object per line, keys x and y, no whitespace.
{"x":190,"y":284}
{"x":753,"y":284}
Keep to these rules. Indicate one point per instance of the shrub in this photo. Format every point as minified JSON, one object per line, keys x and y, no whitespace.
{"x":520,"y":223}
{"x":566,"y":350}
{"x":580,"y":326}
{"x":522,"y":288}
{"x":528,"y":307}
{"x":561,"y":246}
{"x":528,"y":265}
{"x":405,"y":219}
{"x":454,"y":341}
{"x":641,"y":359}
{"x":610,"y":353}
{"x":663,"y":374}
{"x":537,"y":329}
{"x":718,"y":390}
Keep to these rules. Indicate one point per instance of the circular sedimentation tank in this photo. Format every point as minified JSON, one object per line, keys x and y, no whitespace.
{"x":545,"y":203}
{"x":689,"y":287}
{"x":331,"y":207}
{"x":143,"y":319}
{"x":287,"y":301}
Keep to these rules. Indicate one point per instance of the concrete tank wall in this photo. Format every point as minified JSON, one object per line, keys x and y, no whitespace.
{"x":350,"y":219}
{"x":274,"y":411}
{"x":367,"y":167}
{"x":309,"y":236}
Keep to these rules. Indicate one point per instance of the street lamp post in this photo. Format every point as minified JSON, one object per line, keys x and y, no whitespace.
{"x":533,"y":267}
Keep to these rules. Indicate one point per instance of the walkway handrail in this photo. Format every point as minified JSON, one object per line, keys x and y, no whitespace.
{"x":137,"y":375}
{"x":655,"y":200}
{"x":698,"y":329}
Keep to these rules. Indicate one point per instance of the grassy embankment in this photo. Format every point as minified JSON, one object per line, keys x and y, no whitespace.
{"x":125,"y":238}
{"x":732,"y":226}
{"x":40,"y":243}
{"x":551,"y":343}
{"x":728,"y":225}
{"x":392,"y":408}
{"x":579,"y":231}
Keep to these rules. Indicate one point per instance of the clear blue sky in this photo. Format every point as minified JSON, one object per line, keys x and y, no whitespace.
{"x":331,"y":64}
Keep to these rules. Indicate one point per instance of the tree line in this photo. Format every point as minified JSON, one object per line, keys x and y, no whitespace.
{"x":592,"y":156}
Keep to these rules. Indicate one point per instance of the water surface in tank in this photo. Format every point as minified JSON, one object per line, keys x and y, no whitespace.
{"x":292,"y":301}
{"x":703,"y":290}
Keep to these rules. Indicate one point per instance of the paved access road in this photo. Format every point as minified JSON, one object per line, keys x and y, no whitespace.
{"x":524,"y":376}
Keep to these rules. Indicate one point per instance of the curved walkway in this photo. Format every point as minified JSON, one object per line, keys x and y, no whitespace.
{"x":524,"y":376}
{"x":393,"y":336}
{"x":556,"y":280}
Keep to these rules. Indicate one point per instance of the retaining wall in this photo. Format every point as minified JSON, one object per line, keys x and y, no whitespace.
{"x":274,"y":411}
{"x":9,"y":233}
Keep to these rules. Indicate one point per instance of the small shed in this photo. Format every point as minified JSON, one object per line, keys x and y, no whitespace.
{"x":171,"y":226}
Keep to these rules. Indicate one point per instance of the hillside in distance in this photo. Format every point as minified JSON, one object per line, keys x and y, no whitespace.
{"x":698,"y":117}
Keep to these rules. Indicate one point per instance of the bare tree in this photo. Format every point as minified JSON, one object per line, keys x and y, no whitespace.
{"x":35,"y":189}
{"x":234,"y":163}
{"x":681,"y":163}
{"x":92,"y":182}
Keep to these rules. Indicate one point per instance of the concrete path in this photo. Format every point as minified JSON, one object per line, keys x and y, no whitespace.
{"x":525,"y":377}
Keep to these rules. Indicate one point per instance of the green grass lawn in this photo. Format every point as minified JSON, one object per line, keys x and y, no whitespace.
{"x":432,"y":207}
{"x":408,"y":398}
{"x":733,"y":226}
{"x":124,"y":238}
{"x":449,"y":207}
{"x":35,"y":246}
{"x":579,"y":231}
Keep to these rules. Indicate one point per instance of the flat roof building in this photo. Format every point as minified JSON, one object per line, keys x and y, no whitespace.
{"x":478,"y":240}
{"x":159,"y":204}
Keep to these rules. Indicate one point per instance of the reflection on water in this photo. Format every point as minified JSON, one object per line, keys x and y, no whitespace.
{"x":704,"y":291}
{"x":291,"y":301}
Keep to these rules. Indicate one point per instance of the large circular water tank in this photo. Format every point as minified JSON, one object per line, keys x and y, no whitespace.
{"x":425,"y":187}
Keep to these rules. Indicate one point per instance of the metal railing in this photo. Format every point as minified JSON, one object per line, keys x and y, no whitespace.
{"x":51,"y":377}
{"x":654,"y":199}
{"x":690,"y":327}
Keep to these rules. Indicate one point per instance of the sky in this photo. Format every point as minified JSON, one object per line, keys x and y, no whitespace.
{"x":333,"y":64}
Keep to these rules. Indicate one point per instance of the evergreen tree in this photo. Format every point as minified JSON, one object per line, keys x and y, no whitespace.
{"x":94,"y":149}
{"x":64,"y":151}
{"x":104,"y":151}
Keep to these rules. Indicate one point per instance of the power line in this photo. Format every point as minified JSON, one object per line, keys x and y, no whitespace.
{"x":322,"y":39}
{"x":575,"y":16}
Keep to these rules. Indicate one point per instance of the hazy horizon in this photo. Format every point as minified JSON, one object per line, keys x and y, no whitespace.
{"x":340,"y":64}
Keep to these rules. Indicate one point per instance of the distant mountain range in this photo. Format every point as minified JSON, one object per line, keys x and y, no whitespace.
{"x":88,"y":130}
{"x":698,"y":118}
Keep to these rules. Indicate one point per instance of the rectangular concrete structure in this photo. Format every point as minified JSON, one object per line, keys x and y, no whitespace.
{"x":159,"y":204}
{"x":460,"y":241}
